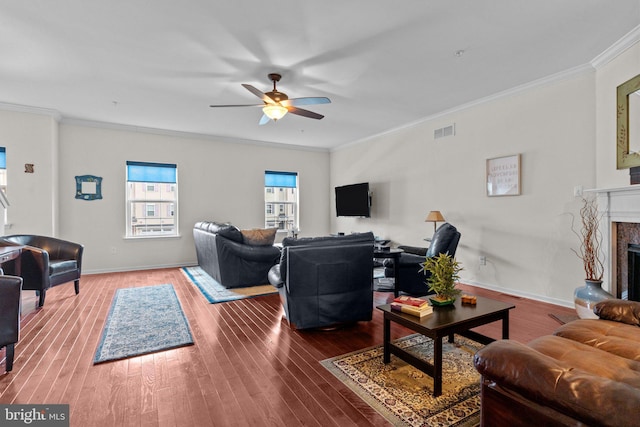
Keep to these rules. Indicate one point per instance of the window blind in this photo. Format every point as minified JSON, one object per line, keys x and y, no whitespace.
{"x":280,"y":179}
{"x":151,"y":172}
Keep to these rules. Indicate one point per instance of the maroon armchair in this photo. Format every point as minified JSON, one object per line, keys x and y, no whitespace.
{"x":46,"y":262}
{"x":10,"y":287}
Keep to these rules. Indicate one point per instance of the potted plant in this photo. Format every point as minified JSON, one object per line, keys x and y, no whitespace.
{"x":590,"y":252}
{"x":443,"y":273}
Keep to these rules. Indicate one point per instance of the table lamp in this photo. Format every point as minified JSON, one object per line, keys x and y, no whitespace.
{"x":434,"y":217}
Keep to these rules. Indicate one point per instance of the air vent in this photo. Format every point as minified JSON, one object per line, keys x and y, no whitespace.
{"x":444,"y":132}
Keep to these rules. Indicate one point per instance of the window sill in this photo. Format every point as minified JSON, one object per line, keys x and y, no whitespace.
{"x":178,"y":236}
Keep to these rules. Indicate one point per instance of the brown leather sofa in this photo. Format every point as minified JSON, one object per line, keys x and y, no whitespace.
{"x":586,"y":374}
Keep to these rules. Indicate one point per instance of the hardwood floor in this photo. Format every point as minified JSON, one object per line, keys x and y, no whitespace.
{"x":247,"y":366}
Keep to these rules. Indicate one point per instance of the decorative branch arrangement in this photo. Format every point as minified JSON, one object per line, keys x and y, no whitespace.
{"x":590,"y":240}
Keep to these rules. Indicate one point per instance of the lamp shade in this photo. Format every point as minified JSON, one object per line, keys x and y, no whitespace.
{"x":434,"y":216}
{"x":274,"y":112}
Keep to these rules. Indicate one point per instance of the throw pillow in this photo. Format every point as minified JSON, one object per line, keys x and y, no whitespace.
{"x":231,"y":232}
{"x":259,"y":236}
{"x":619,"y":311}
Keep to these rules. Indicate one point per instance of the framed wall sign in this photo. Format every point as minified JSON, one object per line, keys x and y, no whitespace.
{"x":503,"y":176}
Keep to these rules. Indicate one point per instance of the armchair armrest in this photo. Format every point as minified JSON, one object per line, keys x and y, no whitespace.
{"x":248,"y":252}
{"x":10,"y":288}
{"x":619,"y":310}
{"x":34,"y":268}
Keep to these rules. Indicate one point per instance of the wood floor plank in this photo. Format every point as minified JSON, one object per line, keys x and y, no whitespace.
{"x":247,"y":366}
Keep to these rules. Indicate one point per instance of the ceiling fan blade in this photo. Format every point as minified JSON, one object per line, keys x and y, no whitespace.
{"x":304,"y":113}
{"x":264,"y":120}
{"x":311,"y":100}
{"x":258,"y":93}
{"x":238,"y":105}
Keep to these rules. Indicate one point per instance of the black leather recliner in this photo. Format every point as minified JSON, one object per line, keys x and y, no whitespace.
{"x":325,"y":281}
{"x":46,"y":262}
{"x":10,"y":287}
{"x":223,"y":255}
{"x":412,"y":281}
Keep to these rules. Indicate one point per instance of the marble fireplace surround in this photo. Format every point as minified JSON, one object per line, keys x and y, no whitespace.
{"x":620,"y":225}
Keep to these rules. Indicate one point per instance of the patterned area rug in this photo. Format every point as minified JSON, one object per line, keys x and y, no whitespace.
{"x":403,"y":394}
{"x":214,"y":292}
{"x":141,"y":321}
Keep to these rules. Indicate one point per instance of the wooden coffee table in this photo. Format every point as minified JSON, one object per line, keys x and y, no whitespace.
{"x":444,"y":322}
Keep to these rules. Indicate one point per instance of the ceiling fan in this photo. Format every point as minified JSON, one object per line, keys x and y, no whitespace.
{"x":276,"y":104}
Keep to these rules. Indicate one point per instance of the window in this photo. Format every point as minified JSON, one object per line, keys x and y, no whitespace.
{"x":152,"y":199}
{"x":281,"y":206}
{"x":3,"y":169}
{"x":3,"y":177}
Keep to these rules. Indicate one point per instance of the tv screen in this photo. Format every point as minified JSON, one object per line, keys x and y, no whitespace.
{"x":353,"y":200}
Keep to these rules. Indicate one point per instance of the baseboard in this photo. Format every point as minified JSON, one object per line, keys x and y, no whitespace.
{"x":508,"y":291}
{"x":144,"y":267}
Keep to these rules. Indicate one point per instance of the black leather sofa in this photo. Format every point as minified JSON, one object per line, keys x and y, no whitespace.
{"x":325,"y":281}
{"x":412,"y":281}
{"x":45,"y":262}
{"x":10,"y":287}
{"x":224,"y":255}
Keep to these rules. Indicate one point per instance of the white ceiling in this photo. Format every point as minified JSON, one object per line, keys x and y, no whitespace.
{"x":160,"y":64}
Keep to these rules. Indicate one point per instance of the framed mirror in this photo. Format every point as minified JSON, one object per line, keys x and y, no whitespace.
{"x":88,"y":187}
{"x":628,"y":124}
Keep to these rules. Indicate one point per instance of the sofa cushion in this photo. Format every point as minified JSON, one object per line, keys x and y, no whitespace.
{"x":62,"y":266}
{"x":259,"y":236}
{"x":613,"y":337}
{"x":596,"y":361}
{"x":230,"y":232}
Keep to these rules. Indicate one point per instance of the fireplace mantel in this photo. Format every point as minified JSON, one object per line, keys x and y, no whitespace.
{"x":620,"y":204}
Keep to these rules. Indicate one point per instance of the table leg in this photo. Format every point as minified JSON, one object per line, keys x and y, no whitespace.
{"x":437,"y":366}
{"x":386,"y":358}
{"x":396,"y":275}
{"x":505,"y":326}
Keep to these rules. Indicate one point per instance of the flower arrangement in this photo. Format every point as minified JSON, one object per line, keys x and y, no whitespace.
{"x":444,"y":273}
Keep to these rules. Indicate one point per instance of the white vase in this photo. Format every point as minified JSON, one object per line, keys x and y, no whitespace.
{"x":587,"y":296}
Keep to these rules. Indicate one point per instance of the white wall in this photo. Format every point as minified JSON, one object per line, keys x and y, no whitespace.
{"x":217,"y":180}
{"x":526,"y":239}
{"x":30,"y":138}
{"x":609,"y":77}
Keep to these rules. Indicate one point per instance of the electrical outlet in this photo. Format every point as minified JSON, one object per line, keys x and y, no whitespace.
{"x":483,"y":260}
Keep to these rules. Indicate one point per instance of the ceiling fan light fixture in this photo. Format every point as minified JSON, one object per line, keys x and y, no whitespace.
{"x":274,"y":112}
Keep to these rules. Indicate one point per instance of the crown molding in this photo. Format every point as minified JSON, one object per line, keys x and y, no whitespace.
{"x":628,"y":40}
{"x":554,"y":78}
{"x":181,"y":134}
{"x":55,"y":114}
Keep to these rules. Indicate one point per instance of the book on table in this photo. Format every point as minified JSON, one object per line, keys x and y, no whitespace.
{"x":412,"y":301}
{"x":409,"y":309}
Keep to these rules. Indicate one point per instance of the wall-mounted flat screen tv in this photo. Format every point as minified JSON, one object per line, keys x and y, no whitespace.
{"x":353,"y":200}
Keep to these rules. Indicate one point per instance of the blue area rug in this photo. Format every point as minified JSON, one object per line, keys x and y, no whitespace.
{"x":141,"y":321}
{"x":214,"y":292}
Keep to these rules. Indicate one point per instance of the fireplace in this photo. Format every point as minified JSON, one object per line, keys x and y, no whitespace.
{"x":633,"y":282}
{"x":620,"y":227}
